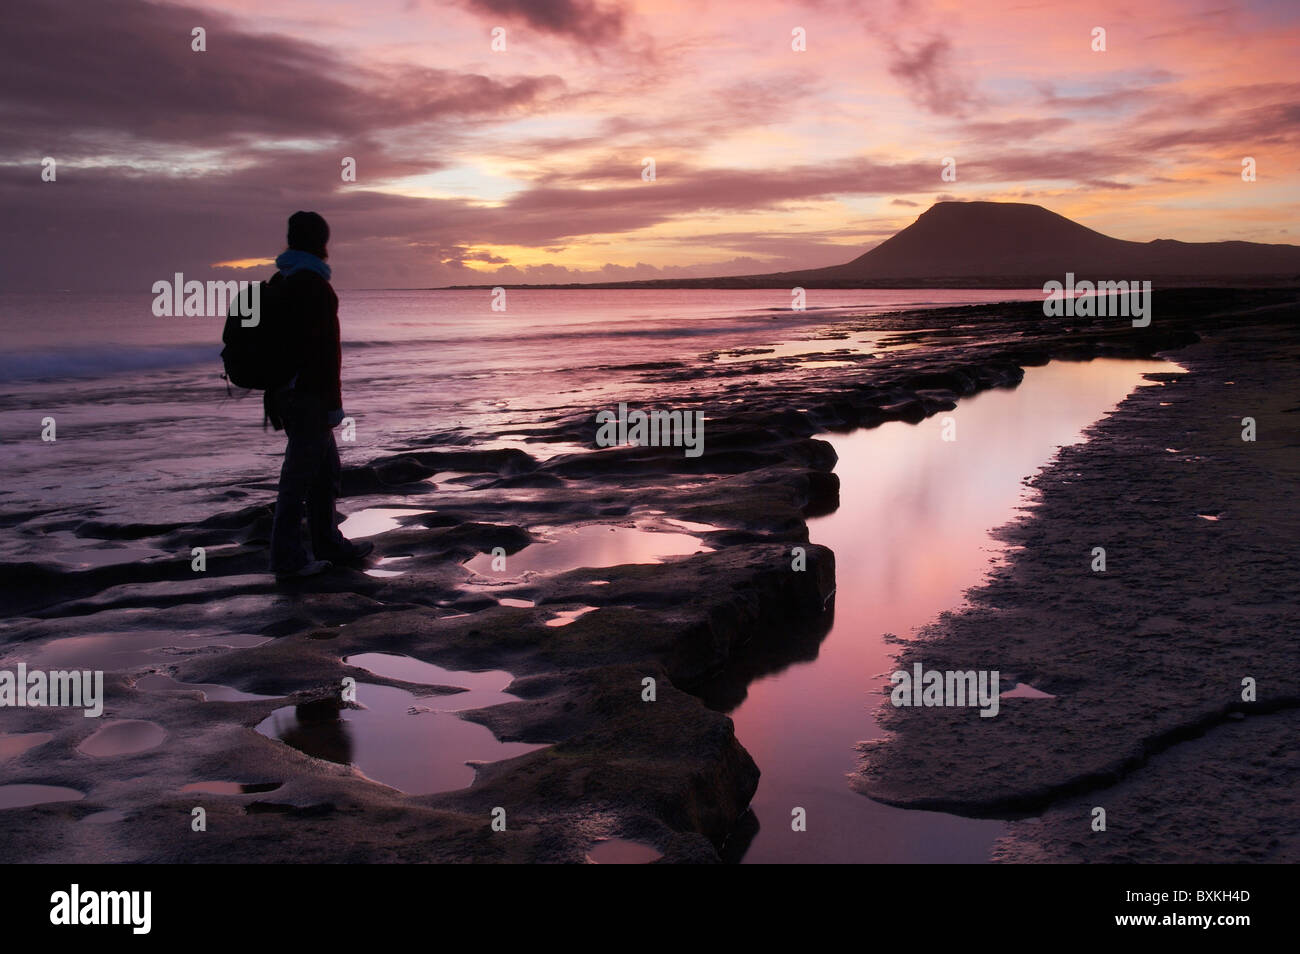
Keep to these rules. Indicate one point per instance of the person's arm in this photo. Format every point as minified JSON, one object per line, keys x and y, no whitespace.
{"x":331,"y":352}
{"x":318,"y":325}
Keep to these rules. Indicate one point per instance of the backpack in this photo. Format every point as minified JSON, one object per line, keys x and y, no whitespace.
{"x":259,"y":357}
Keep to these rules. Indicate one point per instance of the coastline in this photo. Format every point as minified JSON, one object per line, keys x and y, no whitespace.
{"x":677,"y":779}
{"x":1145,"y":660}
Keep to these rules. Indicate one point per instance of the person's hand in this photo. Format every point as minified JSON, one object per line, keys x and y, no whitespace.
{"x":336,"y":417}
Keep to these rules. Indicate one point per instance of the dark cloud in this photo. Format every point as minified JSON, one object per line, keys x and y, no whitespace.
{"x":580,"y":19}
{"x":1212,"y":123}
{"x":682,"y":189}
{"x":1013,"y":130}
{"x":927,"y":71}
{"x":610,"y":272}
{"x":1063,"y":163}
{"x":90,"y":73}
{"x":1119,"y":93}
{"x":461,"y":255}
{"x":920,"y":54}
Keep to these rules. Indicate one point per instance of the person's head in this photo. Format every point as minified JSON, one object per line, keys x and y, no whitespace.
{"x":308,"y":232}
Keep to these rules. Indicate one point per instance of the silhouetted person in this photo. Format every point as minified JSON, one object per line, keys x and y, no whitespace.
{"x":308,"y":408}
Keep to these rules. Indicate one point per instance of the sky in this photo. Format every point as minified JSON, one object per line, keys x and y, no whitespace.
{"x":528,"y":162}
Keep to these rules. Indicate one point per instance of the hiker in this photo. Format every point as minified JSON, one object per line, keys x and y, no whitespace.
{"x":308,"y":408}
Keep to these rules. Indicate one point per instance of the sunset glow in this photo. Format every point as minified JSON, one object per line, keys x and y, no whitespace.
{"x":527,"y":162}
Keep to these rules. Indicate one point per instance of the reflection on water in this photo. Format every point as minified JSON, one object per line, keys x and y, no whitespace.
{"x":110,"y":817}
{"x":367,"y":523}
{"x":413,"y":743}
{"x":121,"y":651}
{"x":23,"y":796}
{"x":381,"y":573}
{"x":1022,"y":690}
{"x":230,"y":788}
{"x":123,"y":737}
{"x":160,"y":682}
{"x":72,"y":551}
{"x":485,"y":687}
{"x":12,"y":744}
{"x":910,"y":536}
{"x":565,"y":617}
{"x":620,"y":851}
{"x":594,"y":545}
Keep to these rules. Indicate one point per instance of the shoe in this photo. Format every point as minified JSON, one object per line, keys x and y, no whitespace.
{"x":351,"y":553}
{"x":312,"y":568}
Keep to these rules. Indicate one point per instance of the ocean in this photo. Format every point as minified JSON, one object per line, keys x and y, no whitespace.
{"x":144,"y":430}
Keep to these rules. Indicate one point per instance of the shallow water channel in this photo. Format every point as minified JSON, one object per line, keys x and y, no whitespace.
{"x":911,"y":535}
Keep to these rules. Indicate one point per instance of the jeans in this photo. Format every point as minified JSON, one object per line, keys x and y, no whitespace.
{"x":310,"y":476}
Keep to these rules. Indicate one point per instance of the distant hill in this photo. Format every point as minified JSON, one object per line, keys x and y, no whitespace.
{"x":1014,"y":244}
{"x":987,"y":240}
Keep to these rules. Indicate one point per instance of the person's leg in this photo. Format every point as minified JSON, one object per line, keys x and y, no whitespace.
{"x":326,"y":541}
{"x":302,"y":455}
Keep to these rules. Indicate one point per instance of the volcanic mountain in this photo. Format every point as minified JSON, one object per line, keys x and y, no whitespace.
{"x":957,"y":242}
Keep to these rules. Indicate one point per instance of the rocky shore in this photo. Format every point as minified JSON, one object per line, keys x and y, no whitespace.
{"x":1146,"y":661}
{"x":1138,"y":658}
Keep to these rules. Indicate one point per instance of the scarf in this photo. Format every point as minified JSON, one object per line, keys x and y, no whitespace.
{"x":293,"y":260}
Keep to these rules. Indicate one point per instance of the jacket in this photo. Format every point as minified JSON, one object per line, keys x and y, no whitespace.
{"x":311,"y":319}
